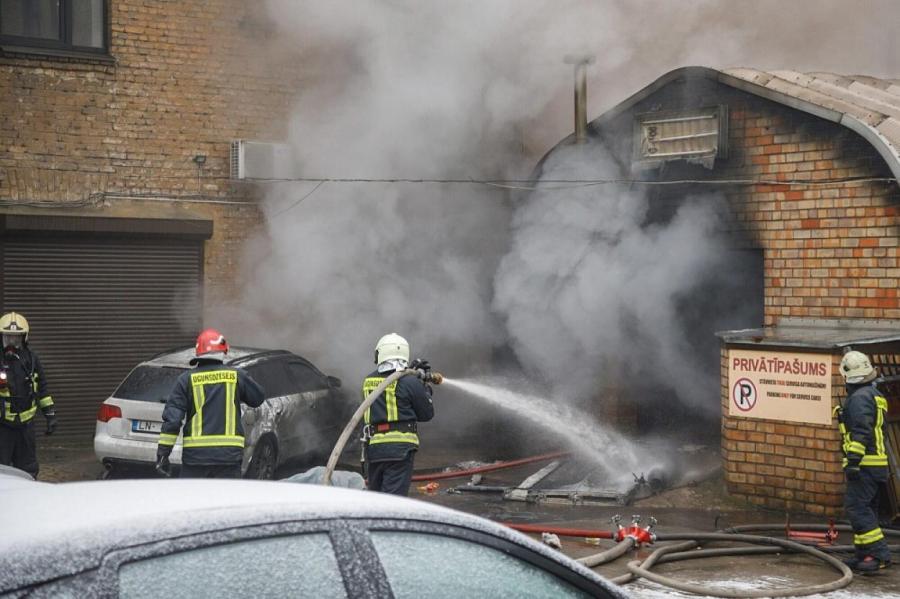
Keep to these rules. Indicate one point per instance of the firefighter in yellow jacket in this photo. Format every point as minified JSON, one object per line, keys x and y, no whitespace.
{"x":23,"y":390}
{"x":390,"y":432}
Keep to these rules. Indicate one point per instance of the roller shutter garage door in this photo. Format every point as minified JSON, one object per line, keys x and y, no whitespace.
{"x":97,"y":305}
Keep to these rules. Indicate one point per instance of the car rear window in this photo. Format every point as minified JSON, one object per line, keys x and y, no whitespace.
{"x":149,"y":383}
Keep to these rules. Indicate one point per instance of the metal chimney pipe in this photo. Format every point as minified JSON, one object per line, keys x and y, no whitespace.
{"x":581,"y":62}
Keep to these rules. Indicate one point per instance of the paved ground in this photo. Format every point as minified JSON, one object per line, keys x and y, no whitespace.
{"x":702,"y":507}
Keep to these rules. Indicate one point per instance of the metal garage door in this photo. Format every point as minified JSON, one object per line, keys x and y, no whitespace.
{"x":98,"y":304}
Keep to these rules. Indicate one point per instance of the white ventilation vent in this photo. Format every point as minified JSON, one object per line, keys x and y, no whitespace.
{"x":261,"y":160}
{"x":698,"y":136}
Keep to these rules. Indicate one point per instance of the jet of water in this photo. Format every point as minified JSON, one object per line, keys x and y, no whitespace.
{"x":617,"y":455}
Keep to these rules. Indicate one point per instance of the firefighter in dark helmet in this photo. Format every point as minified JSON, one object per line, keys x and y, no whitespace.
{"x":207,"y":399}
{"x":390,"y":431}
{"x":861,"y":419}
{"x":23,"y":390}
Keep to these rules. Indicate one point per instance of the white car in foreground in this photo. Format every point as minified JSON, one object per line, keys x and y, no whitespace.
{"x":241,"y":538}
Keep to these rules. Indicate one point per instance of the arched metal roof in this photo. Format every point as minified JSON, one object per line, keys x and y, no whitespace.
{"x":867,"y":105}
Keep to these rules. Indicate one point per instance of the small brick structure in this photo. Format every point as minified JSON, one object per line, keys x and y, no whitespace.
{"x":796,"y":466}
{"x":811,"y":193}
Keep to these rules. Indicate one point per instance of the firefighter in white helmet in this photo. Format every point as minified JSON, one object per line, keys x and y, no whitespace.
{"x":23,"y":389}
{"x":861,"y":420}
{"x":390,"y":431}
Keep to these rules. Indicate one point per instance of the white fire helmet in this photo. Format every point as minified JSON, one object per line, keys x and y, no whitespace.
{"x":391,"y":347}
{"x":14,"y":328}
{"x":856,"y":368}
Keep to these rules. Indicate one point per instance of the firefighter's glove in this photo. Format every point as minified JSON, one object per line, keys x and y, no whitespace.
{"x":852,"y":471}
{"x":50,"y":417}
{"x":163,"y":467}
{"x":420,"y":364}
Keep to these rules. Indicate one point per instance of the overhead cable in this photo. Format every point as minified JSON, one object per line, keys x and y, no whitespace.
{"x":551,"y":184}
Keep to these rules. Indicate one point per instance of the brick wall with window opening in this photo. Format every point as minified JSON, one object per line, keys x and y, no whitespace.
{"x":829,"y":252}
{"x":124,"y":108}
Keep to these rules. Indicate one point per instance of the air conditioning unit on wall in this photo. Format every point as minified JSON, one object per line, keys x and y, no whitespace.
{"x":261,"y":160}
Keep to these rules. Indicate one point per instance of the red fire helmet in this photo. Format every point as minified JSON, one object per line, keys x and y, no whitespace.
{"x":210,"y":341}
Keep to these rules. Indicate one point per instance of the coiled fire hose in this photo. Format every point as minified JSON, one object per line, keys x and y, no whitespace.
{"x":687,"y":549}
{"x":642,"y":569}
{"x":435,"y":378}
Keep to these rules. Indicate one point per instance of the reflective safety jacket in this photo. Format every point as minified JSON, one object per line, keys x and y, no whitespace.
{"x":861,"y":421}
{"x":405,"y":402}
{"x":25,"y":388}
{"x":207,"y":399}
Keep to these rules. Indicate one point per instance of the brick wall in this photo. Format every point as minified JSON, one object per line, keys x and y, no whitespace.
{"x":831,"y":251}
{"x":185,"y":79}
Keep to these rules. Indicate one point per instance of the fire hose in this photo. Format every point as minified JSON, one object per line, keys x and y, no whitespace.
{"x":639,"y":569}
{"x":490,"y":467}
{"x":635,"y":536}
{"x":358,"y":414}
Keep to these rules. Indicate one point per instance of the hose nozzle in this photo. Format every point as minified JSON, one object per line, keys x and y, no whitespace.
{"x":435,"y":378}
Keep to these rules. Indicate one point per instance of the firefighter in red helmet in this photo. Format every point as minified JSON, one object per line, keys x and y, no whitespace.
{"x":205,"y":407}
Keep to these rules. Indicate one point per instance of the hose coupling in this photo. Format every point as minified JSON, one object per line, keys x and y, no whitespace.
{"x":640,"y":535}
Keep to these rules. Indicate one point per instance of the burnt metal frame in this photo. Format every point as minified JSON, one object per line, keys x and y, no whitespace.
{"x":64,"y":43}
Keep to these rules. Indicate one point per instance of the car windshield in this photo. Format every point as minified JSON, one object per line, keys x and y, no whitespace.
{"x":149,"y":383}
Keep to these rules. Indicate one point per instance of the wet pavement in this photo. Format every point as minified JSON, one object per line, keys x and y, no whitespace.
{"x":701,"y":507}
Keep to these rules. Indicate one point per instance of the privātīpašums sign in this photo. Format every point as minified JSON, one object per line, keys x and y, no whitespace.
{"x":793,"y":387}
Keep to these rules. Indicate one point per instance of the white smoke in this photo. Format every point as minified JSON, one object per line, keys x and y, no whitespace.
{"x":591,"y":293}
{"x":434,"y":89}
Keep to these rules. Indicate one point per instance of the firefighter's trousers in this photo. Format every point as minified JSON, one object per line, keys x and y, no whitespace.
{"x":18,"y":448}
{"x":392,"y":477}
{"x":210,"y":471}
{"x":861,"y":505}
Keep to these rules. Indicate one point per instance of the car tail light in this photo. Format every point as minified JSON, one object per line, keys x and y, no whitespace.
{"x":107,"y":412}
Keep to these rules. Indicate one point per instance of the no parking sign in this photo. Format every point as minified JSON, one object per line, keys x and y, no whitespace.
{"x":743,"y":394}
{"x":792,"y":387}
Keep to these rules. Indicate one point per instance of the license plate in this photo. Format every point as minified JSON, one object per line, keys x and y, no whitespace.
{"x":146,"y":426}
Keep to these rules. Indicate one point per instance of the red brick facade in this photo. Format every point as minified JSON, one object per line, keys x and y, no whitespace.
{"x":830,"y":251}
{"x":182,"y":79}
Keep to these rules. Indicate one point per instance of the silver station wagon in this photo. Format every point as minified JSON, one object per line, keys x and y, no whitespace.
{"x":300,"y":420}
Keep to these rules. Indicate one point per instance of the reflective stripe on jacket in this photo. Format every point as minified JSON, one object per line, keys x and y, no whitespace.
{"x":25,"y":390}
{"x":861,"y":421}
{"x":405,"y":400}
{"x":385,"y":412}
{"x":207,"y":401}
